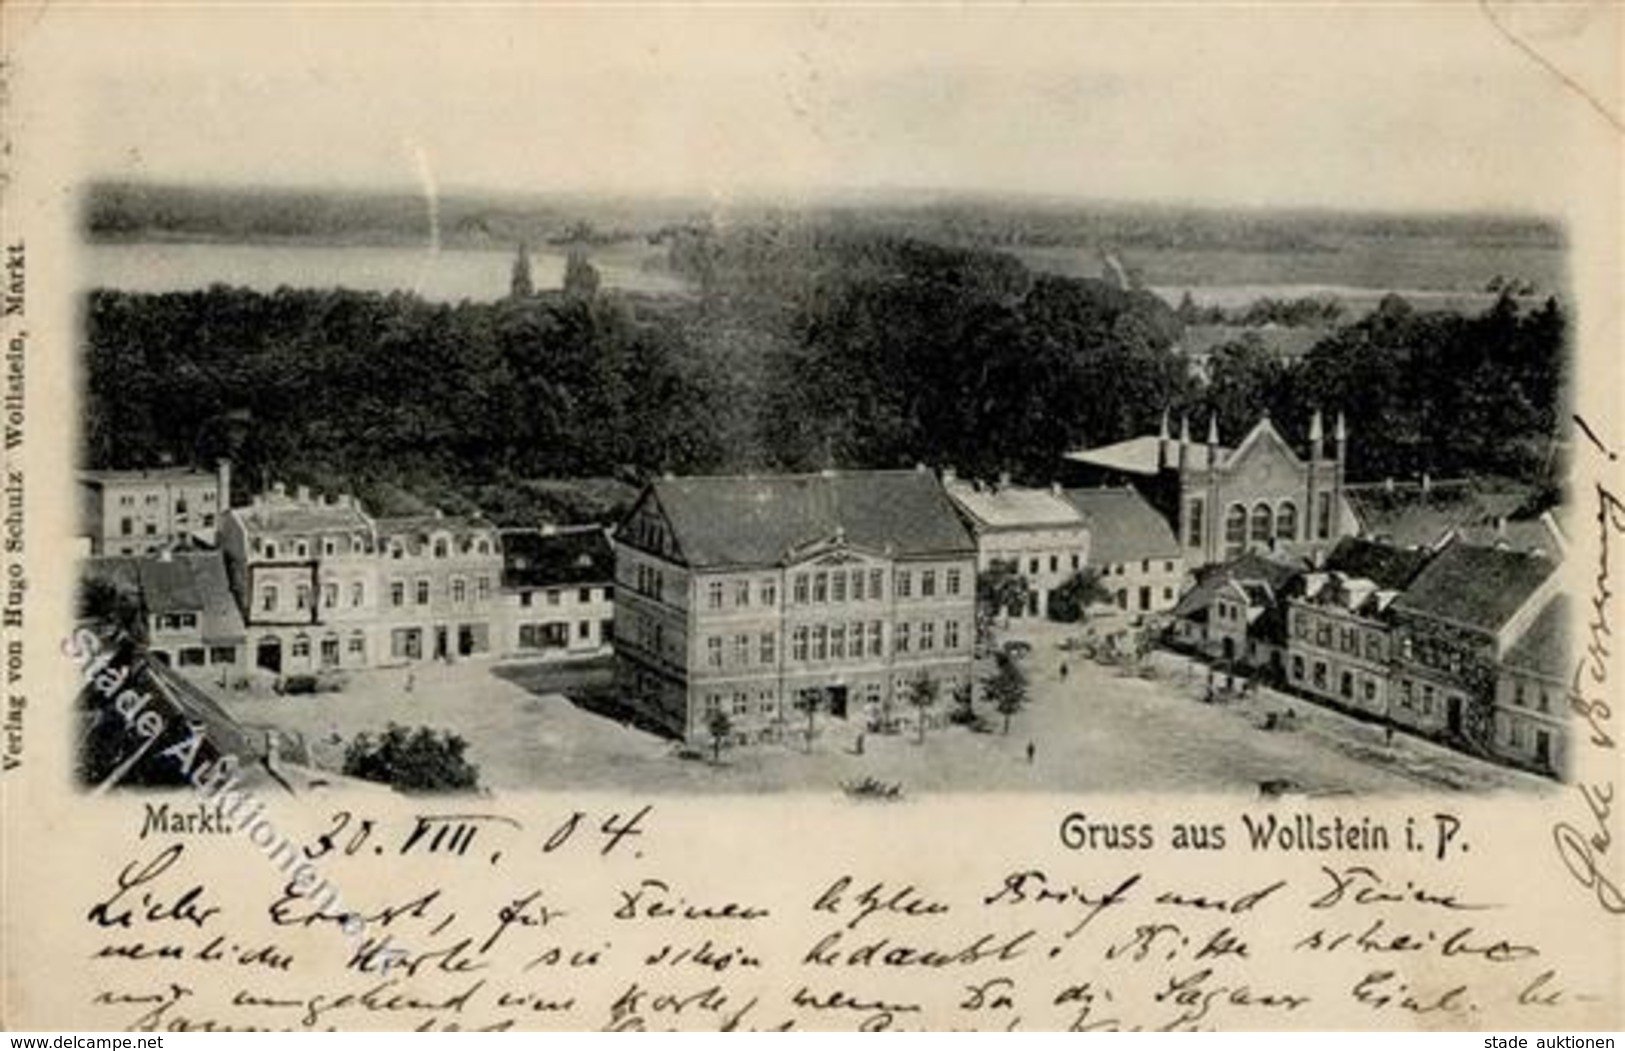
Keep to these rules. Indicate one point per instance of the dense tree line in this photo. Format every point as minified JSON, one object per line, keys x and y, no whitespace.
{"x":800,"y":353}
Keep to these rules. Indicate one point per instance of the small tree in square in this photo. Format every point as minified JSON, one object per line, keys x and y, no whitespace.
{"x":1008,"y":688}
{"x":922,"y":695}
{"x":721,"y":729}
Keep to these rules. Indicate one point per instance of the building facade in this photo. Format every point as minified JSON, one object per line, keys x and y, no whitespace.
{"x":558,"y":593}
{"x":304,"y":571}
{"x":185,"y":603}
{"x":1531,"y":694}
{"x":438,"y":576}
{"x":1339,"y":647}
{"x":1452,"y":628}
{"x":145,"y":512}
{"x":1131,"y":547}
{"x":1260,"y":496}
{"x":1035,"y":531}
{"x":777,"y":601}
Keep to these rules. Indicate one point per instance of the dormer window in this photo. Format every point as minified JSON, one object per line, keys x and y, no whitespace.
{"x":441,"y":549}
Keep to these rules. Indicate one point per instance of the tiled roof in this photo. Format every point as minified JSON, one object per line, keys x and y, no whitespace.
{"x":302,"y":518}
{"x":170,"y":475}
{"x":1013,"y":507}
{"x":1123,"y":527}
{"x":1480,"y":587}
{"x":742,"y":520}
{"x":1544,"y":647}
{"x":534,"y":558}
{"x":1386,"y":566}
{"x":193,"y":582}
{"x":413,"y":532}
{"x":1247,"y":567}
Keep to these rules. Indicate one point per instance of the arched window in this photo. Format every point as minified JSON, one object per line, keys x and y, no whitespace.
{"x":1263,"y":524}
{"x":1286,"y":521}
{"x":1235,"y":527}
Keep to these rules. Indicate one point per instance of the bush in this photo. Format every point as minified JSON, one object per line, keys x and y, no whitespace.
{"x":872,"y":788}
{"x":421,"y":760}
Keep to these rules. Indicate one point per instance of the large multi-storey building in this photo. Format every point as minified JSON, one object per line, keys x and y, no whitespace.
{"x":1339,"y":647}
{"x":1034,"y":531}
{"x":438,"y":576}
{"x":1452,"y":628}
{"x":772,"y":599}
{"x":144,"y":512}
{"x":1261,"y":495}
{"x":305,"y":573}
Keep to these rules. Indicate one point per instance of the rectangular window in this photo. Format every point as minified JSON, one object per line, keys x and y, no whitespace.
{"x":1032,"y":567}
{"x":358,"y":594}
{"x":876,"y":638}
{"x":877,"y":584}
{"x":1325,"y":515}
{"x":904,"y":587}
{"x":301,"y":597}
{"x":423,"y":593}
{"x":1054,"y":564}
{"x":954,"y":582}
{"x":838,"y":586}
{"x":482,"y":589}
{"x":301,"y":646}
{"x":713,"y":595}
{"x":837,"y":642}
{"x":330,"y":547}
{"x":713,"y":653}
{"x":330,"y":595}
{"x":765,"y":648}
{"x":553,"y":595}
{"x":950,"y":635}
{"x":222,"y":655}
{"x":821,"y":586}
{"x":741,"y":649}
{"x":583,"y":630}
{"x":820,"y":646}
{"x":928,"y":583}
{"x":899,"y":637}
{"x":459,"y":590}
{"x":928,"y":637}
{"x":799,"y":590}
{"x":397,"y":593}
{"x":742,"y":593}
{"x":769,"y":593}
{"x":857,"y":585}
{"x":798,"y":643}
{"x":358,"y":645}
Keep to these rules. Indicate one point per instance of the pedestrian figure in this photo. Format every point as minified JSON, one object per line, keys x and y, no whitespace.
{"x":1031,"y":751}
{"x":859,"y":749}
{"x":411,"y":680}
{"x":1063,"y":671}
{"x":1388,"y":736}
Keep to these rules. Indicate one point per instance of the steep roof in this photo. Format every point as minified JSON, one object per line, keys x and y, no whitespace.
{"x":1544,"y":648}
{"x":1132,"y":456}
{"x":194,"y":582}
{"x":1481,"y":587}
{"x":1384,"y":565}
{"x":744,"y":520}
{"x":536,"y":558}
{"x":1123,"y":527}
{"x":1244,"y":568}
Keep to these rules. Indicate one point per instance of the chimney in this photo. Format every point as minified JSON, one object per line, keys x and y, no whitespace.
{"x":302,"y":494}
{"x":279,"y":490}
{"x":1055,"y":488}
{"x":949,"y":476}
{"x":1427,"y":483}
{"x":222,"y":481}
{"x":1004,"y":480}
{"x":1388,"y":484}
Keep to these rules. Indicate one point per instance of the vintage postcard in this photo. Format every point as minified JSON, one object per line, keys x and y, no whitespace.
{"x":721,"y":517}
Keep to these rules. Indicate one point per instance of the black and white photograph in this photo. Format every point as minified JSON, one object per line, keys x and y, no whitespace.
{"x":1165,"y":429}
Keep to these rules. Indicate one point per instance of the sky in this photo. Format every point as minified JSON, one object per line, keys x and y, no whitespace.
{"x":1385,"y":107}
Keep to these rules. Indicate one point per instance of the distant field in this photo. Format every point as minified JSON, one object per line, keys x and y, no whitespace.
{"x":1442,"y":273}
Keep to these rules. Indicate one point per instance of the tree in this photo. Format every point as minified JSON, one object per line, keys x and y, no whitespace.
{"x":421,"y":760}
{"x":519,"y":284}
{"x":1001,"y":590}
{"x":1008,"y":688}
{"x":1070,"y":602}
{"x":964,"y":712}
{"x":721,"y":728}
{"x":922,"y":695}
{"x":809,"y":701}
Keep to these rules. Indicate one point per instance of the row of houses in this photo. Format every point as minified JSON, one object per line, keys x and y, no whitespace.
{"x":298,"y":583}
{"x":1462,"y":642}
